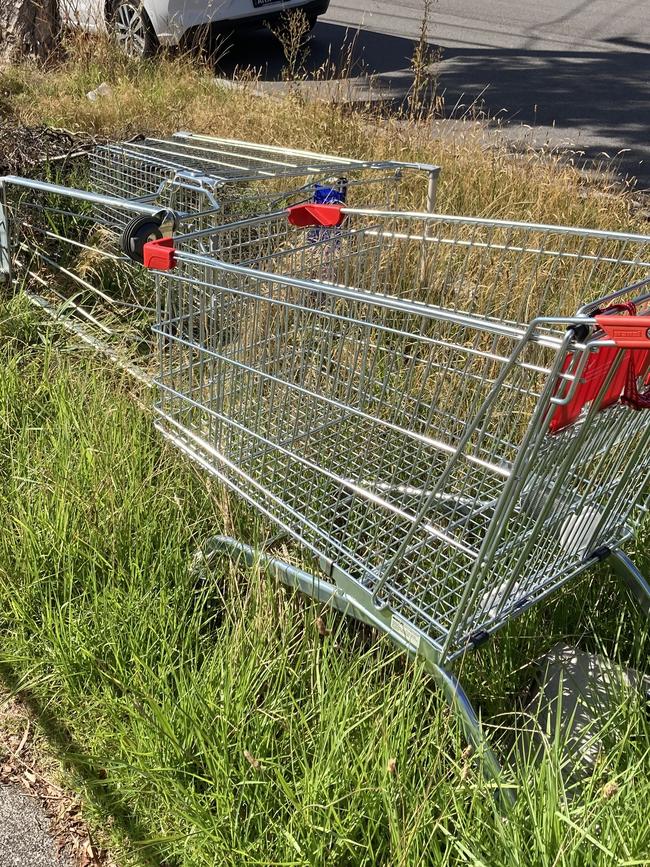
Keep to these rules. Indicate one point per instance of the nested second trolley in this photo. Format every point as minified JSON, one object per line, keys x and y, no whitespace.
{"x":425,"y":402}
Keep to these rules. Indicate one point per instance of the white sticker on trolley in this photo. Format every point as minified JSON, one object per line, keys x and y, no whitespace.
{"x":406,"y":632}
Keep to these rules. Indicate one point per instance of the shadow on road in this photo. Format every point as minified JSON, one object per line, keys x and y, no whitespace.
{"x":375,"y":53}
{"x":595,"y":102}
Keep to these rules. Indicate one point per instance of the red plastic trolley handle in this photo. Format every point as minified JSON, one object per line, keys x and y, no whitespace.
{"x":159,"y":255}
{"x":315,"y":215}
{"x":627,"y":332}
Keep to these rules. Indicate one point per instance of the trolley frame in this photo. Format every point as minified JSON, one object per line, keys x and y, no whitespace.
{"x":226,"y":384}
{"x":205,"y":181}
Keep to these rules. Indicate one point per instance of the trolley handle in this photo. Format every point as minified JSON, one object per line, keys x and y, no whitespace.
{"x":627,"y":332}
{"x":308,"y":215}
{"x":130,"y":205}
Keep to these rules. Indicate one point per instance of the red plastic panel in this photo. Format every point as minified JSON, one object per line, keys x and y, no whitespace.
{"x":635,"y":363}
{"x":316,"y":215}
{"x":628,"y":332}
{"x":159,"y":255}
{"x":637,"y":369}
{"x":592,"y":380}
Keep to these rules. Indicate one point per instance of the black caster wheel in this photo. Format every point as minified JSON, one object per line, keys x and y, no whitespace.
{"x":137,"y":232}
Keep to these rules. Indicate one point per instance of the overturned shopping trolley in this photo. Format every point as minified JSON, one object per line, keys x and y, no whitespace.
{"x":72,"y":256}
{"x":216,"y":180}
{"x":424,"y":402}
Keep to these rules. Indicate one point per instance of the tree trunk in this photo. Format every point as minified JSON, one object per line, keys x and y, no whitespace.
{"x":28,"y":27}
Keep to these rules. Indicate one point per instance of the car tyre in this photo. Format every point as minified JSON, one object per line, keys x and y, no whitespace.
{"x":132,"y":29}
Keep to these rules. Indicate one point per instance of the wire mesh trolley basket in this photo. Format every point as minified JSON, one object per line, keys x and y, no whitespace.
{"x":73,"y":256}
{"x":424,"y":402}
{"x":219,"y":180}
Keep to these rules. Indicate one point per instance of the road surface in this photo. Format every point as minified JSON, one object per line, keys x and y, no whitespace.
{"x":578,"y":71}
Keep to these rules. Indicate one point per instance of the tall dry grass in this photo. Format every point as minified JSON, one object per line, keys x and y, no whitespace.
{"x":167,"y":94}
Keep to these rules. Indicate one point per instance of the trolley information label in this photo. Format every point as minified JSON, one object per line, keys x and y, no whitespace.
{"x":406,"y":632}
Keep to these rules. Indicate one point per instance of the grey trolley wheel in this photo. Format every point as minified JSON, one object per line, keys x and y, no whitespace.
{"x":139,"y":231}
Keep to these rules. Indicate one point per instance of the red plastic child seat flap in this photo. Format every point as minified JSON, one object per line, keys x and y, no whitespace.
{"x":316,"y":215}
{"x":630,"y":333}
{"x":637,"y":369}
{"x":593,"y":377}
{"x":159,"y":255}
{"x":634,"y":364}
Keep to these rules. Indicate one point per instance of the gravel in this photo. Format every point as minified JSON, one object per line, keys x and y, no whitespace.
{"x":25,"y":837}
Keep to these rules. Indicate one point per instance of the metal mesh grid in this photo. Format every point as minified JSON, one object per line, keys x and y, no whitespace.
{"x":504,"y":271}
{"x":215,"y":181}
{"x":73,"y":266}
{"x":207,"y":181}
{"x":350,"y":397}
{"x":232,"y":160}
{"x":405,"y":441}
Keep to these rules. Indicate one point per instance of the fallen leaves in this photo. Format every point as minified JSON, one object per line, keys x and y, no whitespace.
{"x":252,"y":761}
{"x":323,"y":631}
{"x":609,"y":790}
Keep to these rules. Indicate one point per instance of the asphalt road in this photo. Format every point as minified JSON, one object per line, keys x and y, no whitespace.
{"x":577,"y":71}
{"x":25,"y":838}
{"x":566,"y":73}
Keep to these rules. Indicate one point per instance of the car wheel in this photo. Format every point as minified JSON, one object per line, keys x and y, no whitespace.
{"x":132,"y":28}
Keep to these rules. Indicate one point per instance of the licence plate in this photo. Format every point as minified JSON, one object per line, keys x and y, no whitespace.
{"x":260,"y":3}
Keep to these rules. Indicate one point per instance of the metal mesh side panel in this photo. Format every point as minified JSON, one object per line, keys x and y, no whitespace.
{"x":333,"y":416}
{"x":211,"y":192}
{"x":338,"y":414}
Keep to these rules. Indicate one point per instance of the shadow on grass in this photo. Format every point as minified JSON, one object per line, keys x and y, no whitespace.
{"x":104,"y":796}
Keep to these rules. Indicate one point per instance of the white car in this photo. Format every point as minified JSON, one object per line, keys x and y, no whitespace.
{"x":141,"y":26}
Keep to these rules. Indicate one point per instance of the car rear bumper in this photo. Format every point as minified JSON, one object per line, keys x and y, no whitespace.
{"x":174,"y":18}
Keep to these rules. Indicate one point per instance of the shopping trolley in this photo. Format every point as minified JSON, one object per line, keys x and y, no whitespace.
{"x":220,"y":180}
{"x":424,"y":402}
{"x":50,"y":248}
{"x":73,"y":251}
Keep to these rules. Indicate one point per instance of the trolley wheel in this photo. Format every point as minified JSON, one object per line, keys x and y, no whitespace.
{"x":137,"y":233}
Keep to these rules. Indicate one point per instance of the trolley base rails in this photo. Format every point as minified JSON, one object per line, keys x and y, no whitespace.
{"x":424,"y":402}
{"x":332,"y":593}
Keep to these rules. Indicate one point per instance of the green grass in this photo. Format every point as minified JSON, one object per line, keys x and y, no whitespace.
{"x":162,"y":692}
{"x":206,"y":722}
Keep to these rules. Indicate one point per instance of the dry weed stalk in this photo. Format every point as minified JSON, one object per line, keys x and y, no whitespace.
{"x":293,"y":35}
{"x":423,"y":98}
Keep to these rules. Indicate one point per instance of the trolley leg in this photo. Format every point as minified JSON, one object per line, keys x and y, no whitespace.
{"x":432,"y":189}
{"x":633,"y":578}
{"x":5,"y":235}
{"x":324,"y":591}
{"x":457,"y":698}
